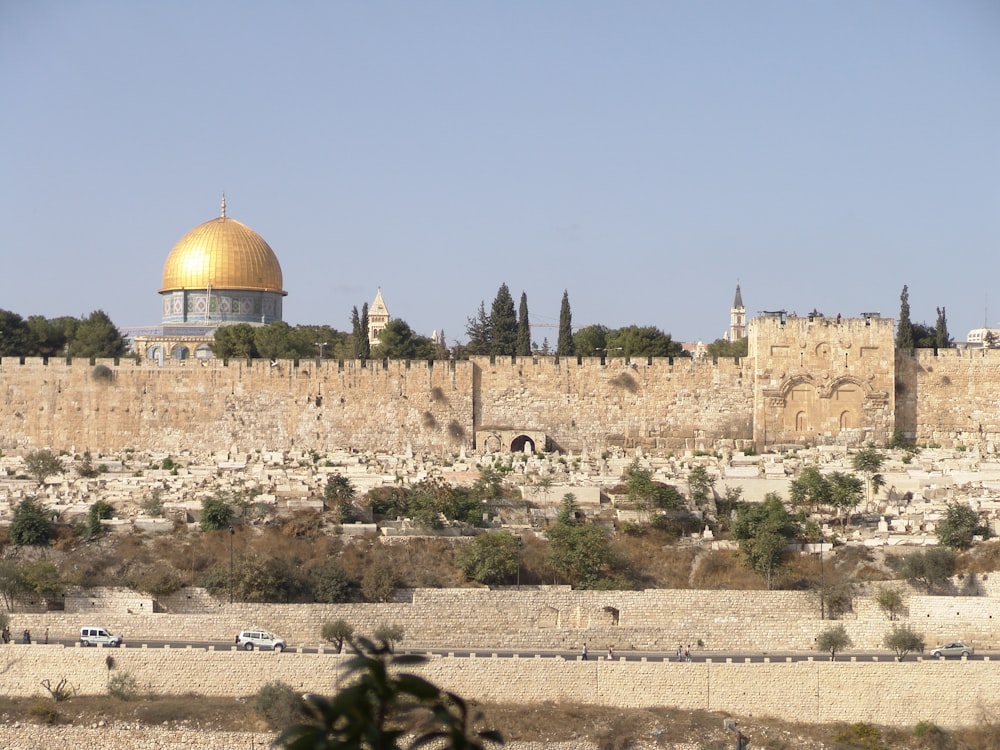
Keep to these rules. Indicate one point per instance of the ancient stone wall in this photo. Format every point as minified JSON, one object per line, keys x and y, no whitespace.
{"x":587,"y":404}
{"x":393,"y":406}
{"x":821,"y":380}
{"x":951,"y":397}
{"x":949,"y":694}
{"x":806,"y":381}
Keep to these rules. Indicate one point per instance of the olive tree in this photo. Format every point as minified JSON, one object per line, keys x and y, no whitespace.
{"x":337,"y":632}
{"x":833,"y":639}
{"x":903,"y":640}
{"x":42,"y":464}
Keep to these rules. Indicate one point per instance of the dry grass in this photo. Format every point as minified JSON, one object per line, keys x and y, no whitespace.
{"x":608,"y":728}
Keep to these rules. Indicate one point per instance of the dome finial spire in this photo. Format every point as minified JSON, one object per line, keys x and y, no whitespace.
{"x":223,"y":216}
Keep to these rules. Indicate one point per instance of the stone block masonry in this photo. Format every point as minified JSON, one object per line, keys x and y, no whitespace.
{"x":806,"y":381}
{"x":950,"y":694}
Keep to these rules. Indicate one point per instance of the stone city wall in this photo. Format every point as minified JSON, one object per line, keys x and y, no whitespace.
{"x":950,"y":693}
{"x":950,"y":398}
{"x":390,"y":406}
{"x":810,"y":383}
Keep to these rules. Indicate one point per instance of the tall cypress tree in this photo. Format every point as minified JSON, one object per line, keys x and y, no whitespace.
{"x":523,"y":328}
{"x":904,"y":328}
{"x":356,"y":333}
{"x":941,"y":338}
{"x":366,"y":344}
{"x":503,"y":324}
{"x":565,"y":346}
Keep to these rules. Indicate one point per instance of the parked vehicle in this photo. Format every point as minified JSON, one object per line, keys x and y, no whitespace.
{"x":953,"y":649}
{"x":248,"y":640}
{"x":91,"y":635}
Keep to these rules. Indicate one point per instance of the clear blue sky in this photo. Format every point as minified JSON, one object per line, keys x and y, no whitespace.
{"x":643,"y":156}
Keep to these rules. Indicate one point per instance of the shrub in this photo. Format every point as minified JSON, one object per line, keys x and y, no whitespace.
{"x":330,"y":584}
{"x":98,"y":512}
{"x":43,"y":711}
{"x":216,"y":513}
{"x":30,"y":524}
{"x":379,"y":582}
{"x":123,"y":686}
{"x":279,"y":704}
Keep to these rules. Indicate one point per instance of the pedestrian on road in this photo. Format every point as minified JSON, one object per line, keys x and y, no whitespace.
{"x":687,"y":653}
{"x":26,"y":636}
{"x":584,"y":652}
{"x":46,"y":636}
{"x":678,"y":652}
{"x":611,"y":651}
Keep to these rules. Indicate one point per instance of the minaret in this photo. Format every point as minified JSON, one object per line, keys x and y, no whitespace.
{"x":378,"y":318}
{"x":737,"y":317}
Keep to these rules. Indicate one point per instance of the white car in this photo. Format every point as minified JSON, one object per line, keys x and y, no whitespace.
{"x":952,"y":649}
{"x":91,"y":635}
{"x":248,"y":640}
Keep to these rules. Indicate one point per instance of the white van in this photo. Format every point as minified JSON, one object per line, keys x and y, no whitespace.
{"x":91,"y":635}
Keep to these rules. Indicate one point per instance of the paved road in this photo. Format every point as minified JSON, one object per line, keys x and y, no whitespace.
{"x":653,"y":656}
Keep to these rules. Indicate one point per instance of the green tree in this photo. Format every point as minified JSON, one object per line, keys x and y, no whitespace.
{"x":398,"y":341}
{"x":366,"y":714}
{"x":764,"y":531}
{"x":565,"y":346}
{"x":503,"y":324}
{"x":903,"y":640}
{"x":889,"y":601}
{"x":379,"y":582}
{"x":868,"y":462}
{"x":15,"y":337}
{"x":924,"y":336}
{"x":942,"y":340}
{"x":846,"y":492}
{"x":338,"y":494}
{"x":41,"y":578}
{"x":99,"y":511}
{"x":42,"y":464}
{"x":390,"y":634}
{"x":337,"y":632}
{"x":97,"y":336}
{"x":523,"y":328}
{"x":578,"y":552}
{"x":216,"y":513}
{"x":833,"y":639}
{"x":726,"y":349}
{"x":810,"y":489}
{"x":11,"y":582}
{"x":31,"y":523}
{"x":490,"y":558}
{"x":479,"y":329}
{"x":359,"y":335}
{"x":330,"y":584}
{"x":701,"y":484}
{"x":904,"y":328}
{"x":930,"y":569}
{"x":643,"y":341}
{"x":47,"y":337}
{"x":958,"y":527}
{"x":235,"y":341}
{"x":591,"y":341}
{"x":274,"y":340}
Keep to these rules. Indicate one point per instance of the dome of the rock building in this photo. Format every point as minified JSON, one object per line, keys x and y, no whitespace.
{"x":222,"y":253}
{"x":221,"y":272}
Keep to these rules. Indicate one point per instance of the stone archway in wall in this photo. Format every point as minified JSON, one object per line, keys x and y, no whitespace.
{"x":180,"y":352}
{"x":548,"y":617}
{"x":492,"y":444}
{"x":522,"y":444}
{"x":807,"y":410}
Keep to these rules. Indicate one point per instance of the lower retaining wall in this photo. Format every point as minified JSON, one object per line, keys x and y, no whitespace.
{"x":951,"y":694}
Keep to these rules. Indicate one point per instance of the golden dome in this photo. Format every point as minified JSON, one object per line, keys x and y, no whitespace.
{"x":222,"y":253}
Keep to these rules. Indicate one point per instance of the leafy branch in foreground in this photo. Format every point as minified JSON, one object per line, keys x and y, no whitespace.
{"x":369,"y":712}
